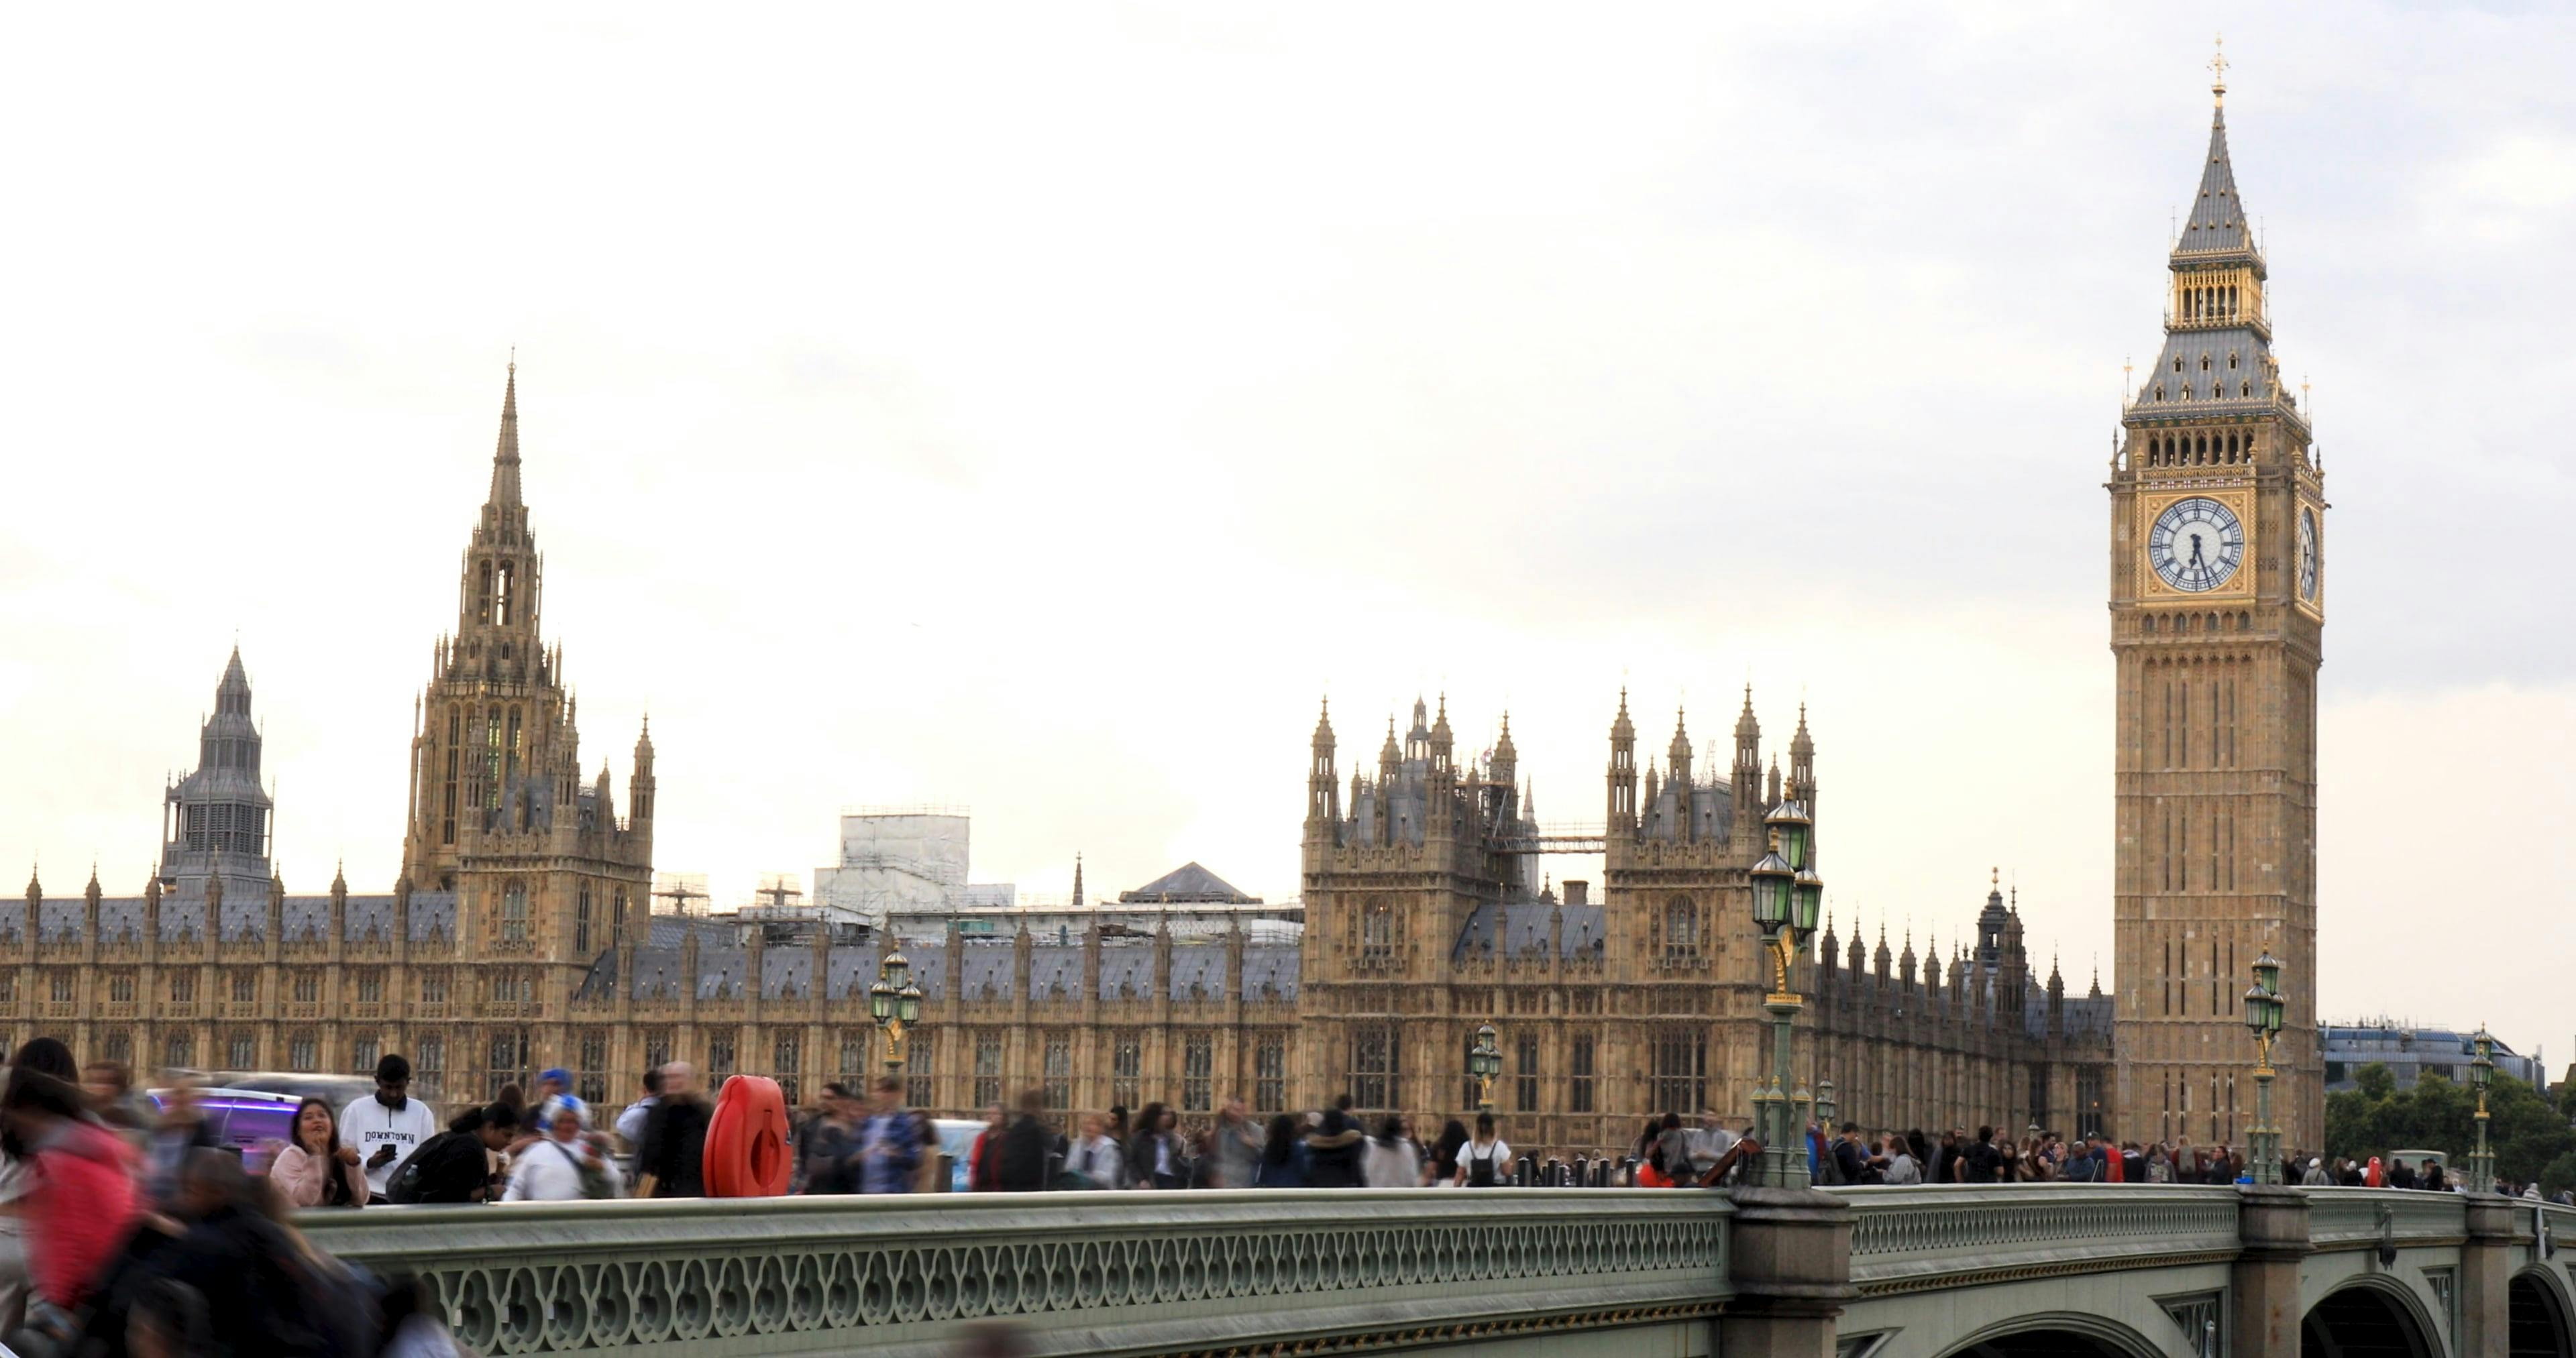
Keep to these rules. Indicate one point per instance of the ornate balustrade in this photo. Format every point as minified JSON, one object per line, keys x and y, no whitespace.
{"x":1112,"y":1273}
{"x":1912,"y":1239}
{"x":2358,"y":1218}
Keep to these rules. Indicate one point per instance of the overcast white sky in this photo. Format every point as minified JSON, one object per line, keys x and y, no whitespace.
{"x":1038,"y":408}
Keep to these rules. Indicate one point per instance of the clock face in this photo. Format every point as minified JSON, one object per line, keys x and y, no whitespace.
{"x":2308,"y":555}
{"x":2196,"y":545}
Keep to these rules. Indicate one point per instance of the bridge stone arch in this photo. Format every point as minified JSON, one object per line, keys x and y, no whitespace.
{"x":2055,"y":1334}
{"x":2374,"y":1316}
{"x":2539,"y":1317}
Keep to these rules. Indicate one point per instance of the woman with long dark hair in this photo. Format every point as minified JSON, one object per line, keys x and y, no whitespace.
{"x":1155,"y":1158}
{"x":1438,"y":1170}
{"x":1283,"y":1156}
{"x":315,"y":1170}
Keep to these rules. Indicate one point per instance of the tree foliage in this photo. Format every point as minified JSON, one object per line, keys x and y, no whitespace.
{"x":2527,"y":1133}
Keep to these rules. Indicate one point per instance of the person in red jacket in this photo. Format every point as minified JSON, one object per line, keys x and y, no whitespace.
{"x":82,"y":1204}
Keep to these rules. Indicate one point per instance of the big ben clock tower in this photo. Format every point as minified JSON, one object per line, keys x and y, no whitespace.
{"x":2217,"y":617}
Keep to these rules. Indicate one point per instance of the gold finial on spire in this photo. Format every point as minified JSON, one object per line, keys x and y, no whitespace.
{"x":2218,"y":71}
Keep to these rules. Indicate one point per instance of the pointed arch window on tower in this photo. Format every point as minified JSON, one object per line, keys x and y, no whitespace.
{"x":1681,"y":929}
{"x":483,"y":593}
{"x":581,"y":921}
{"x":514,"y":911}
{"x":492,"y":762}
{"x":505,"y":594}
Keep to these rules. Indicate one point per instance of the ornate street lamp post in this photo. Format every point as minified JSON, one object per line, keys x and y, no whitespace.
{"x":1787,"y":897}
{"x":1485,"y":1061}
{"x":2263,"y":1010}
{"x":2482,"y":1070}
{"x":895,"y":1003}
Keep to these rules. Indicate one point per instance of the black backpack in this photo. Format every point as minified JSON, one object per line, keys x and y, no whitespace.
{"x":406,"y":1183}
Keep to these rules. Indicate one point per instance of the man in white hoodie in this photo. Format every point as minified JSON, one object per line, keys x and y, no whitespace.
{"x":387,"y":1126}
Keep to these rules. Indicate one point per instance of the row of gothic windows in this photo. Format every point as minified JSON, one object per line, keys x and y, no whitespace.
{"x":2212,"y":623}
{"x":2200,"y":450}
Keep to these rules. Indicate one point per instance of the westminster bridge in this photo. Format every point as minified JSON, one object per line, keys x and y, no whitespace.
{"x":1976,"y":1272}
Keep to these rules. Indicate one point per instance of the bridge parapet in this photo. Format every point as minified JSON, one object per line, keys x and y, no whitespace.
{"x":1111,"y":1273}
{"x":2362,"y":1218}
{"x":1912,"y":1239}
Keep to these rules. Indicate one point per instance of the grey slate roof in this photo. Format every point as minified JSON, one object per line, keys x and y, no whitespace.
{"x":1270,"y":973}
{"x":1126,"y":971}
{"x":988,"y":970}
{"x":1198,"y":972}
{"x":433,"y":915}
{"x":787,"y":973}
{"x":1188,"y":882}
{"x":1522,"y":928}
{"x":1055,"y":974}
{"x":2217,"y":216}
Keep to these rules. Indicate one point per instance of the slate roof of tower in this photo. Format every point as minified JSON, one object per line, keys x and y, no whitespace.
{"x":2240,"y":374}
{"x":2217,"y":222}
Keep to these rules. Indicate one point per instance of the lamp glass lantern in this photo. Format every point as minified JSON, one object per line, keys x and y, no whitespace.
{"x":1808,"y":892}
{"x":2258,"y":1010}
{"x":907,"y":1004}
{"x":1789,"y":820}
{"x":1485,"y":1060}
{"x":881,"y":1001}
{"x":2267,"y":973}
{"x":897,"y":970}
{"x":1773,"y":881}
{"x":2482,"y":1066}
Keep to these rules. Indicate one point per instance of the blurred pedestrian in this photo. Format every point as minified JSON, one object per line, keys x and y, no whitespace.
{"x":890,"y":1141}
{"x":260,"y":1296}
{"x":1283,"y":1155}
{"x":1444,"y":1155}
{"x":554,"y":1090}
{"x":1233,"y":1144}
{"x":1393,"y":1158}
{"x":82,"y":1200}
{"x":1334,"y":1150}
{"x":670,"y":1162}
{"x":1100,"y":1160}
{"x":1026,"y":1160}
{"x":630,"y":1124}
{"x":182,"y":1128}
{"x":562,"y":1167}
{"x":1155,"y":1157}
{"x":827,"y":1145}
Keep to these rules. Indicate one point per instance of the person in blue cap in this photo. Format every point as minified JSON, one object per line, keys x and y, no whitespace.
{"x":554,"y":1091}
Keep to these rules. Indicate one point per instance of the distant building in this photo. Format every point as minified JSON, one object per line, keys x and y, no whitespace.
{"x":2413,"y":1053}
{"x":909,"y":862}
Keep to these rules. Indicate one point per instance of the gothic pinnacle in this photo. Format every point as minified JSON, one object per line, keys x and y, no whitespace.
{"x":505,"y":451}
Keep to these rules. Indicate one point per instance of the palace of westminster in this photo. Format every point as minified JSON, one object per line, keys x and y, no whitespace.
{"x":521,"y":935}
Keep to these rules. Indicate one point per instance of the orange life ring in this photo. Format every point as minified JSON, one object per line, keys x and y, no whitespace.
{"x":747,"y":1153}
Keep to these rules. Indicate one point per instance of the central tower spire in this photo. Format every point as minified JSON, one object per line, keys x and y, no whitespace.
{"x":505,"y":452}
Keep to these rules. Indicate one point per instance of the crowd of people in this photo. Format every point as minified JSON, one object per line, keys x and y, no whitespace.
{"x":126,"y":1227}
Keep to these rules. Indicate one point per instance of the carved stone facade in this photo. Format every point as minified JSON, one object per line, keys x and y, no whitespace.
{"x":520,"y":937}
{"x":1426,"y":918}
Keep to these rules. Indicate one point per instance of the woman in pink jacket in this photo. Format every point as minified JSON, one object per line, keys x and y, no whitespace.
{"x":317,"y":1171}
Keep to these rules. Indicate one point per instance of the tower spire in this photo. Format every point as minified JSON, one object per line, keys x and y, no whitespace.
{"x":505,"y":452}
